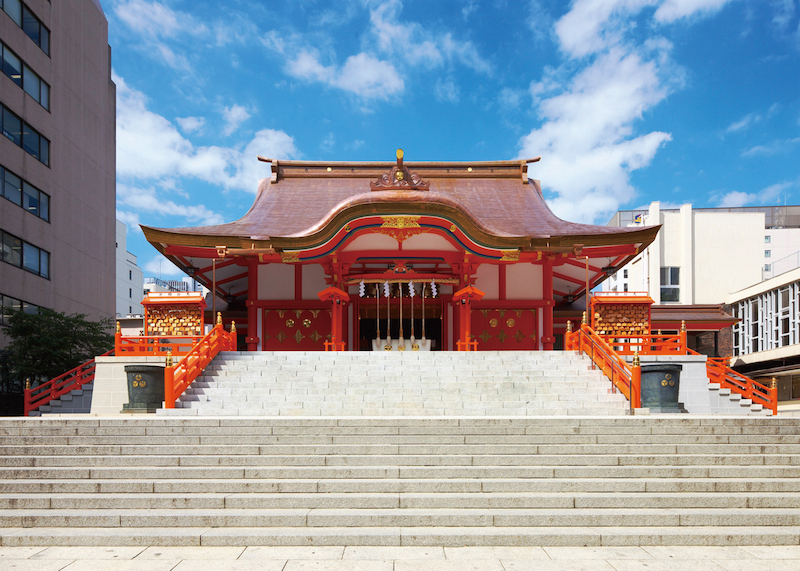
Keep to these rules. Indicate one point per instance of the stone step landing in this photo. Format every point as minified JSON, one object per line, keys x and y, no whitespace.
{"x":485,"y":383}
{"x":628,"y":480}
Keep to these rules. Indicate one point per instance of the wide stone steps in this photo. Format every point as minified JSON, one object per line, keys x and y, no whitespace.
{"x":400,"y":384}
{"x":669,"y":480}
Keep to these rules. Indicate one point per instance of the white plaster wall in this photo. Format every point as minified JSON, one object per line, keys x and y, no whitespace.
{"x":313,"y":281}
{"x":783,"y":242}
{"x":524,"y":281}
{"x":428,"y":242}
{"x":276,"y":281}
{"x":729,"y":254}
{"x":372,"y":242}
{"x":488,"y":280}
{"x":671,"y":241}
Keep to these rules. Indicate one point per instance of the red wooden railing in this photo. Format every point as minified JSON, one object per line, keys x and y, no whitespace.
{"x":177,"y":378}
{"x":605,"y":352}
{"x":626,"y":378}
{"x":467,"y":345}
{"x":54,"y":388}
{"x":720,"y":372}
{"x":154,"y":346}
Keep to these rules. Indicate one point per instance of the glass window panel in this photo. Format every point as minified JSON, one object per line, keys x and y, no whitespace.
{"x":44,"y":264}
{"x":665,"y":276}
{"x":30,"y":308}
{"x":10,"y":305}
{"x":45,"y":99}
{"x":44,"y":206}
{"x":44,"y":151}
{"x":12,"y":127}
{"x":30,"y":140}
{"x":31,"y":82}
{"x":13,"y":188}
{"x":675,"y":275}
{"x":30,"y":257}
{"x":30,"y":198}
{"x":30,"y":25}
{"x":44,"y":42}
{"x":670,"y":294}
{"x":12,"y":250}
{"x":14,"y":9}
{"x":12,"y":67}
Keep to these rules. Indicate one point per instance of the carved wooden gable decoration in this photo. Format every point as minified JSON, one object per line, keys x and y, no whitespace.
{"x":400,"y":178}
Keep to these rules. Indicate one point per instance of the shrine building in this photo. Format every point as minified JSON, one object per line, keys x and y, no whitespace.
{"x":395,"y":256}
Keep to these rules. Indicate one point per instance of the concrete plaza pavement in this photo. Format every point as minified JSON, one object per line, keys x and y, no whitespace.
{"x":340,"y":558}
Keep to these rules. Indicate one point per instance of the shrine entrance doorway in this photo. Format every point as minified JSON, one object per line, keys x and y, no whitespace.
{"x":371,"y":324}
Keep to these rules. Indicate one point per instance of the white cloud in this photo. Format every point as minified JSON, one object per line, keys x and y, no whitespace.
{"x":362,"y":75}
{"x":191,"y":124}
{"x":328,"y":143}
{"x":743,"y":123}
{"x":587,"y":140}
{"x":148,"y":200}
{"x":773,"y":148}
{"x":416,"y":45}
{"x":234,"y":116}
{"x":671,"y":10}
{"x":766,"y":196}
{"x":593,"y":25}
{"x":510,"y":98}
{"x":156,"y":23}
{"x":161,"y":267}
{"x":446,"y":91}
{"x":469,"y":7}
{"x":130,"y":219}
{"x":149,"y":147}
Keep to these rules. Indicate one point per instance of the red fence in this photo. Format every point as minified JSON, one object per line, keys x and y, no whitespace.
{"x":177,"y":378}
{"x":153,"y":346}
{"x":61,"y":385}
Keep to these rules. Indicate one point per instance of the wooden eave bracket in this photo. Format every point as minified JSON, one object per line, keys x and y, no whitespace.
{"x":274,"y":164}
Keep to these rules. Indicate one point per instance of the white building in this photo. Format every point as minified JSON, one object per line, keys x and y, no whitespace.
{"x":702,"y":255}
{"x":766,"y":340}
{"x":129,"y":277}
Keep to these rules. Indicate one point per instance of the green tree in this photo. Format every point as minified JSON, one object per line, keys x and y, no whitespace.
{"x":46,"y":344}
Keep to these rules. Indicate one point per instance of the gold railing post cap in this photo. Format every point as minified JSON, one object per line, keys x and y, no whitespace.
{"x":119,"y":329}
{"x":219,"y":318}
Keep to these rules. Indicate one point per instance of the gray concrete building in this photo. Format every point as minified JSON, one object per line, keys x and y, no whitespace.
{"x":57,"y":158}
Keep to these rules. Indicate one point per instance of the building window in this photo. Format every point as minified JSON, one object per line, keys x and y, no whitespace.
{"x":670,"y":284}
{"x":25,"y":77}
{"x":767,"y":253}
{"x":8,"y":305}
{"x":25,"y":136}
{"x":624,"y":287}
{"x":130,"y":275}
{"x":130,"y":292}
{"x":767,"y":267}
{"x":767,"y":239}
{"x":24,"y":194}
{"x":24,"y":255}
{"x":29,"y":23}
{"x":625,"y":274}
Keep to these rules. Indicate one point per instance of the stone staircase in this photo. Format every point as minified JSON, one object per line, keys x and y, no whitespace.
{"x":400,"y":384}
{"x":628,"y":480}
{"x":77,"y":401}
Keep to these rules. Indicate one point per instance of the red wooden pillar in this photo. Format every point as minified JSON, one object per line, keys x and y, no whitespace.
{"x":252,"y":310}
{"x":463,"y":299}
{"x":548,"y":337}
{"x":338,"y":299}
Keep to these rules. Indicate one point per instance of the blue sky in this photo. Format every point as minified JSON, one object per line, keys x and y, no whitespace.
{"x":627,"y":101}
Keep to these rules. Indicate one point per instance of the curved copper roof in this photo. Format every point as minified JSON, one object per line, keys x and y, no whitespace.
{"x":495,"y":198}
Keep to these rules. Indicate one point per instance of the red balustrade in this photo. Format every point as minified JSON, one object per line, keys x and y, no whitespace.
{"x":153,"y":346}
{"x":177,"y":378}
{"x":626,"y":378}
{"x":720,"y":372}
{"x":71,"y":380}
